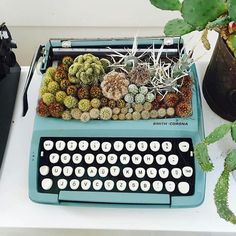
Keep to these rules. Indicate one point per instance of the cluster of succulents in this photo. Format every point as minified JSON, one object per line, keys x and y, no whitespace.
{"x":85,"y":88}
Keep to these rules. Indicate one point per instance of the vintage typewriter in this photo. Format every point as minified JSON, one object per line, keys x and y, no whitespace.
{"x":125,"y":153}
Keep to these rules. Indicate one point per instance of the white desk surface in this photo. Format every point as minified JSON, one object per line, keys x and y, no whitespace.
{"x":17,"y":211}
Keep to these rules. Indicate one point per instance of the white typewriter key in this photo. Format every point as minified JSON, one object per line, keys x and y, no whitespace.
{"x":183,"y":146}
{"x":130,"y":145}
{"x":140,"y":172}
{"x":79,"y":171}
{"x":176,"y":173}
{"x":114,"y":170}
{"x":76,"y":158}
{"x":54,"y":158}
{"x":62,"y":183}
{"x":157,"y":186}
{"x":71,"y":145}
{"x":142,"y":146}
{"x":97,"y":184}
{"x":83,"y":145}
{"x":60,"y":145}
{"x":112,"y":158}
{"x":173,"y":159}
{"x":74,"y":184}
{"x":148,"y":159}
{"x":106,"y":146}
{"x":183,"y":187}
{"x":124,"y":159}
{"x":121,"y":185}
{"x":118,"y":146}
{"x":145,"y":185}
{"x":133,"y":185}
{"x":188,"y":171}
{"x":44,"y":170}
{"x":100,"y":158}
{"x":46,"y":184}
{"x":136,"y":159}
{"x":151,"y":172}
{"x":89,"y":158}
{"x":92,"y":171}
{"x":85,"y":184}
{"x":170,"y":186}
{"x":109,"y":185}
{"x":155,"y":146}
{"x":67,"y":170}
{"x":161,"y":159}
{"x":163,"y":173}
{"x":65,"y":158}
{"x":56,"y":170}
{"x":103,"y":171}
{"x":48,"y":145}
{"x":94,"y":145}
{"x":127,"y":172}
{"x":166,"y":146}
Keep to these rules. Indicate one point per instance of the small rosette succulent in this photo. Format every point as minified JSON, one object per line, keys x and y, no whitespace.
{"x":115,"y":85}
{"x":140,"y":75}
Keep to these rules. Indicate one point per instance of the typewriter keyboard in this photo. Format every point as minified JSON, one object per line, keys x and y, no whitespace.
{"x":142,"y":165}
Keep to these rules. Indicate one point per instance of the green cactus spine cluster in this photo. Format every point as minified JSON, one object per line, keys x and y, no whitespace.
{"x":86,"y":69}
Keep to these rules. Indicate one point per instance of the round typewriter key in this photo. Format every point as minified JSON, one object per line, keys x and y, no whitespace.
{"x":155,"y":146}
{"x":148,"y":159}
{"x":46,"y":184}
{"x":145,"y":185}
{"x":183,"y":146}
{"x":85,"y":184}
{"x":71,"y":145}
{"x":48,"y":145}
{"x":133,"y":185}
{"x":166,"y":146}
{"x":79,"y":171}
{"x":130,"y":145}
{"x":114,"y":170}
{"x":92,"y":171}
{"x":56,"y":170}
{"x":151,"y":172}
{"x":76,"y":158}
{"x":142,"y":146}
{"x":127,"y":172}
{"x":173,"y":159}
{"x":103,"y":171}
{"x":97,"y":184}
{"x":54,"y":158}
{"x":170,"y":186}
{"x":94,"y":145}
{"x":44,"y":170}
{"x":163,"y":173}
{"x":124,"y":159}
{"x":74,"y":184}
{"x":121,"y":185}
{"x":60,"y":145}
{"x":118,"y":146}
{"x":89,"y":158}
{"x":161,"y":159}
{"x":83,"y":145}
{"x":100,"y":158}
{"x":140,"y":172}
{"x":157,"y":186}
{"x":106,"y":146}
{"x":67,"y":170}
{"x":176,"y":173}
{"x":62,"y":183}
{"x":188,"y":171}
{"x":112,"y":158}
{"x":65,"y":158}
{"x":136,"y":159}
{"x":183,"y":187}
{"x":109,"y":185}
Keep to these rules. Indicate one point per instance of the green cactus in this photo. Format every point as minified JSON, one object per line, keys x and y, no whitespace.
{"x":167,"y":4}
{"x":231,"y":42}
{"x":233,"y":131}
{"x":232,"y":9}
{"x":86,"y":69}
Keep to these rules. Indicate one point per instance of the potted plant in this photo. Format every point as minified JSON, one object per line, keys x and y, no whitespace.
{"x":219,"y":84}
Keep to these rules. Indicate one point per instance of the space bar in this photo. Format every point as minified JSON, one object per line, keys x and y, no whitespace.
{"x":114,"y":197}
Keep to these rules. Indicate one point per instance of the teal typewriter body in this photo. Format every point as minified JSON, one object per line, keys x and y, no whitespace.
{"x":121,"y":155}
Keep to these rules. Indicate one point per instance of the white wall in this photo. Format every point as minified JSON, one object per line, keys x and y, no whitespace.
{"x":33,"y":22}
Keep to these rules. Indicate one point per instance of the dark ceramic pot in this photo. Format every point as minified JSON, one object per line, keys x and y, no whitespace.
{"x":219,"y":84}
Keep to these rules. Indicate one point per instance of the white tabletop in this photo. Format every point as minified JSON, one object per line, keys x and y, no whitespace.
{"x":17,"y":211}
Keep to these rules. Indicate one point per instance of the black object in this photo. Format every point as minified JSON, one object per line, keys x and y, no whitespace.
{"x":9,"y":79}
{"x":219,"y":84}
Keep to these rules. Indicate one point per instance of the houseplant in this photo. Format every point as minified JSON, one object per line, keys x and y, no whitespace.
{"x":219,"y":84}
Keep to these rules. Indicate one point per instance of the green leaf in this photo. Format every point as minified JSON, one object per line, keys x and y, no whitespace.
{"x":199,"y":12}
{"x":201,"y":153}
{"x":218,"y":133}
{"x":233,"y":131}
{"x":221,"y":198}
{"x":177,"y":27}
{"x":230,"y":161}
{"x":232,"y":9}
{"x":171,"y":5}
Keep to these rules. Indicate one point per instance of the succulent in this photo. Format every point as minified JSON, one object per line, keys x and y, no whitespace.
{"x":143,"y":90}
{"x":112,"y":104}
{"x":138,"y":107}
{"x":133,"y":89}
{"x":186,"y":94}
{"x":70,"y":102}
{"x":53,"y":87}
{"x":145,"y":115}
{"x":104,"y":101}
{"x":147,"y":106}
{"x":150,"y":97}
{"x":186,"y":81}
{"x":60,"y":75}
{"x":136,"y":115}
{"x":84,"y":105}
{"x":128,"y":116}
{"x":85,"y":117}
{"x":60,"y":96}
{"x":67,"y":60}
{"x":83,"y":92}
{"x":105,"y":64}
{"x":115,"y":117}
{"x":86,"y":69}
{"x":66,"y":115}
{"x":121,"y":116}
{"x":183,"y":109}
{"x":51,"y":71}
{"x":153,"y":114}
{"x":48,"y":98}
{"x":120,"y":103}
{"x":94,"y":113}
{"x":95,"y":103}
{"x":105,"y":113}
{"x":139,"y":98}
{"x":42,"y":109}
{"x":116,"y":111}
{"x":47,"y":79}
{"x":124,"y":110}
{"x":161,"y":112}
{"x":114,"y":85}
{"x":76,"y":113}
{"x":171,"y":99}
{"x":95,"y":92}
{"x":71,"y":90}
{"x":55,"y":109}
{"x":170,"y":111}
{"x":140,"y":75}
{"x":64,"y":84}
{"x":129,"y":98}
{"x":43,"y":90}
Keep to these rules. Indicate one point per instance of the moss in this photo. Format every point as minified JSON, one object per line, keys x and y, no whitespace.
{"x":121,"y":116}
{"x":129,"y":98}
{"x":120,"y":103}
{"x":161,"y":112}
{"x":112,"y":104}
{"x":143,"y":90}
{"x":124,"y":110}
{"x":133,"y":89}
{"x":67,"y":60}
{"x":115,"y":117}
{"x":183,"y":109}
{"x":104,"y":101}
{"x":170,"y":111}
{"x":150,"y":97}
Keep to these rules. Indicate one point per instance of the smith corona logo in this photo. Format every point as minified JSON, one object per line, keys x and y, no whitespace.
{"x":171,"y":123}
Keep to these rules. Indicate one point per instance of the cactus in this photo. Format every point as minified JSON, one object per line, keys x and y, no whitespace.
{"x":232,"y":9}
{"x":167,"y":4}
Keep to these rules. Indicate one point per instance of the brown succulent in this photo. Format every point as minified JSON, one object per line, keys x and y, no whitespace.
{"x":95,"y":92}
{"x":186,"y":94}
{"x":83,"y":93}
{"x":42,"y":109}
{"x":64,"y":84}
{"x":171,"y":99}
{"x":183,"y":109}
{"x":56,"y":109}
{"x":140,"y":75}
